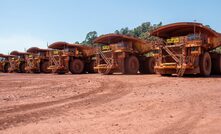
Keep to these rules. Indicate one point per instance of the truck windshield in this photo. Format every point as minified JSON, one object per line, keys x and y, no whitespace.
{"x":2,"y":59}
{"x":122,"y":44}
{"x":66,"y":49}
{"x":191,"y":37}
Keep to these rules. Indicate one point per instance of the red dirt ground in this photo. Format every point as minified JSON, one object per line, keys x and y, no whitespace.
{"x":98,"y":104}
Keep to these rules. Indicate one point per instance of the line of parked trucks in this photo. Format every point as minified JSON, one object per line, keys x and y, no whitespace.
{"x":181,"y":48}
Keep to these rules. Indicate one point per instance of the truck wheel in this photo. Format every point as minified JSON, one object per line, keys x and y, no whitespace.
{"x":150,"y":65}
{"x":22,"y":68}
{"x":91,"y":66}
{"x":143,"y":66}
{"x":44,"y":67}
{"x":76,"y":66}
{"x":132,"y":65}
{"x":147,"y":66}
{"x":216,"y":67}
{"x":6,"y":68}
{"x":205,"y":64}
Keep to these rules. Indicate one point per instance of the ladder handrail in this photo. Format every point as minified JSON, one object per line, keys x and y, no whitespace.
{"x":181,"y":61}
{"x":108,"y":62}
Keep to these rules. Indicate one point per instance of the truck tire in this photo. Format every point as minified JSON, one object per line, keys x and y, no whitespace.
{"x":132,"y":65}
{"x":76,"y":66}
{"x":150,"y":65}
{"x":143,"y":65}
{"x":216,"y":65}
{"x":91,"y":66}
{"x":205,"y":64}
{"x":6,"y":68}
{"x":147,"y":66}
{"x":22,"y":68}
{"x":44,"y":67}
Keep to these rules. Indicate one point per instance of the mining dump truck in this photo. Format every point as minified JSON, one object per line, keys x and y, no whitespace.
{"x":187,"y":48}
{"x":4,"y":63}
{"x":123,"y":54}
{"x":18,"y":62}
{"x":38,"y":60}
{"x":75,"y":58}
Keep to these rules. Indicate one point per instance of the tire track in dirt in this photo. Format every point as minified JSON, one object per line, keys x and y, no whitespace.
{"x":91,"y":112}
{"x":35,"y":112}
{"x":190,"y":119}
{"x":48,"y":87}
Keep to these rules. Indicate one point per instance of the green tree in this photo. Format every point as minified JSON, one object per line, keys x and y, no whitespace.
{"x":77,"y":42}
{"x":142,"y":31}
{"x":89,"y":38}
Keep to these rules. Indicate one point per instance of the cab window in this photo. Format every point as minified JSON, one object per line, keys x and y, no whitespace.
{"x":2,"y":59}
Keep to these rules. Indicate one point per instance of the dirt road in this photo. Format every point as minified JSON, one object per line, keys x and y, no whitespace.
{"x":97,"y":104}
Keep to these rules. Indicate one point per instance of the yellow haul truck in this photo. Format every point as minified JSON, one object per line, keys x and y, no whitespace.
{"x":18,"y":62}
{"x":4,"y":63}
{"x":75,"y":58}
{"x":187,"y":48}
{"x":38,"y":60}
{"x":123,"y":54}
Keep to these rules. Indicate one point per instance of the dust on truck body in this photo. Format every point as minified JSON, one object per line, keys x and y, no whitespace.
{"x":38,"y":60}
{"x":17,"y":62}
{"x":75,"y":58}
{"x":4,"y":62}
{"x":187,"y":48}
{"x":123,"y":54}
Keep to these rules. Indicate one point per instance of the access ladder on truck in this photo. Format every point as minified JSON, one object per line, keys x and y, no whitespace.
{"x":108,"y":62}
{"x":180,"y":60}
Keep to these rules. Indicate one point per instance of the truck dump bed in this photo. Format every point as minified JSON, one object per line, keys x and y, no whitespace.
{"x":18,"y":53}
{"x":139,"y":45}
{"x":86,"y":50}
{"x":36,"y":50}
{"x":6,"y":56}
{"x":185,"y":28}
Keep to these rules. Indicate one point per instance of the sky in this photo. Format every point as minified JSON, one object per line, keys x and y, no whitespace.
{"x":28,"y":23}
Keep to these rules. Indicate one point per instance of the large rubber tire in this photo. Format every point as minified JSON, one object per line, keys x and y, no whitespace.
{"x":205,"y":64}
{"x":151,"y":65}
{"x":76,"y":66}
{"x":147,"y":67}
{"x":216,"y":67}
{"x":6,"y":68}
{"x":22,"y":68}
{"x":91,"y":66}
{"x":132,"y":65}
{"x":44,"y":67}
{"x":143,"y":66}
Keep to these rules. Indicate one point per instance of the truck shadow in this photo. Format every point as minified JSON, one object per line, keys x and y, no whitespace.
{"x":198,"y":76}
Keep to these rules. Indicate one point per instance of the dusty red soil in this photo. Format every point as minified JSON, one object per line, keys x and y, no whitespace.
{"x":44,"y":104}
